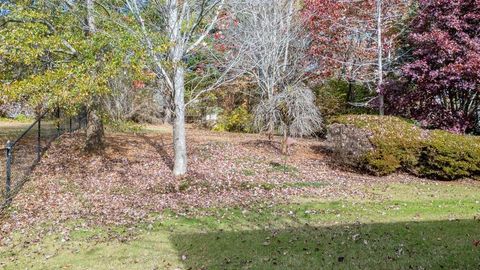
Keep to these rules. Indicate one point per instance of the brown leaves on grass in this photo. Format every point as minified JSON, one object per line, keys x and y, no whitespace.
{"x":133,"y":179}
{"x":476,"y":243}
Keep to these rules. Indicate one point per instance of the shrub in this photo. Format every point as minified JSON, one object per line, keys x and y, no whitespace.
{"x":401,"y":145}
{"x":442,"y":76}
{"x":24,"y":118}
{"x":334,"y":95}
{"x":450,"y":156}
{"x":239,"y":120}
{"x":397,"y":143}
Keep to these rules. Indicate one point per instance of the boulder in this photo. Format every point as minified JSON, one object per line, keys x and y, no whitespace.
{"x":348,"y":144}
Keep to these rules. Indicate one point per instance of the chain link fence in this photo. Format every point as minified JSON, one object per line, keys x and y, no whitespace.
{"x":24,"y":146}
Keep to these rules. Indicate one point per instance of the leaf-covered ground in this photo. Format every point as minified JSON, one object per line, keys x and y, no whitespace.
{"x":242,"y":206}
{"x":25,"y":150}
{"x":133,"y":178}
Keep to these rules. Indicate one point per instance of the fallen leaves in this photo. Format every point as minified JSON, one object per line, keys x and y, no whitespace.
{"x":476,"y":243}
{"x":133,"y":179}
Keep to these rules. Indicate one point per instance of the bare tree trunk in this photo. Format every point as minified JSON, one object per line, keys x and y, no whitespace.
{"x":289,"y":22}
{"x":350,"y":93}
{"x":176,"y":53}
{"x":91,"y":28}
{"x":285,"y":142}
{"x":179,"y":136}
{"x":168,"y":116}
{"x":95,"y":130}
{"x":380,"y":58}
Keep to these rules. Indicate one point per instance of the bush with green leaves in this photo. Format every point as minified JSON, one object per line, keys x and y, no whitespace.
{"x":450,"y":156}
{"x":400,"y":145}
{"x":334,"y":95}
{"x":238,"y":120}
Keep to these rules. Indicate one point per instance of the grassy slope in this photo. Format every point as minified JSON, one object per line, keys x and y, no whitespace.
{"x":423,"y":227}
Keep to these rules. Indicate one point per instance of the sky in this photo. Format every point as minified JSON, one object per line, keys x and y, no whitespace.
{"x":3,"y":12}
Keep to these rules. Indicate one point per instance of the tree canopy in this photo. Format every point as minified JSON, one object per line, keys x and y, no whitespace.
{"x":47,"y":60}
{"x":441,"y":85}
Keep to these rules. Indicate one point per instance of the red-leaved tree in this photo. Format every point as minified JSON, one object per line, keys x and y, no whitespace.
{"x":443,"y":79}
{"x":342,"y":34}
{"x":356,"y":40}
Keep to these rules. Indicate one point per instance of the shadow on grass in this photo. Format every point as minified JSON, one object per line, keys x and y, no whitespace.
{"x":413,"y":245}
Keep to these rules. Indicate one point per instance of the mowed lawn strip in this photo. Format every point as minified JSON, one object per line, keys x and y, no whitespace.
{"x":430,"y":226}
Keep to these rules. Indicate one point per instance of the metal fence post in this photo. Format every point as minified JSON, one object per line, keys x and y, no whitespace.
{"x":9,"y":172}
{"x":70,"y":122}
{"x":39,"y":136}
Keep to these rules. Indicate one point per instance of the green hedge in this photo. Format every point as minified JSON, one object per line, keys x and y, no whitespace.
{"x":401,"y":145}
{"x":450,"y":156}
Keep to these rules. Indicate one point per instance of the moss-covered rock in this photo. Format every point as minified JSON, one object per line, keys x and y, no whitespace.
{"x":401,"y":145}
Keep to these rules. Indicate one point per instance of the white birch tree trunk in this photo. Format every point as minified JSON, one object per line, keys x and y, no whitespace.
{"x":179,"y":135}
{"x":380,"y":58}
{"x":90,"y":17}
{"x":176,"y":53}
{"x":289,"y":22}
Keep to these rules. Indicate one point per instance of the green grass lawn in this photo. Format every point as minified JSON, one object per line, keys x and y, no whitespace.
{"x":403,"y":226}
{"x":11,"y":129}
